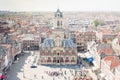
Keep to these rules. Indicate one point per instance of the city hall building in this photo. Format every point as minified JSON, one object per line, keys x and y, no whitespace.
{"x":58,"y":48}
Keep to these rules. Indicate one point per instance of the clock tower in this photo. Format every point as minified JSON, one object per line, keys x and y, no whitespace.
{"x":58,"y":23}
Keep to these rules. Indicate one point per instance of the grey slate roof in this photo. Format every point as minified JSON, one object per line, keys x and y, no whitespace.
{"x":68,"y":43}
{"x":48,"y":43}
{"x":104,"y":45}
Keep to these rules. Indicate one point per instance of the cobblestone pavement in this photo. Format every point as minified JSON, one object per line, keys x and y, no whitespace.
{"x":23,"y":71}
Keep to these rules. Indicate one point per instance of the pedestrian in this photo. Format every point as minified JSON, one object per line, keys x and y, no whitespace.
{"x":53,"y":79}
{"x":42,"y":77}
{"x":34,"y":76}
{"x":65,"y":72}
{"x":80,"y":62}
{"x":68,"y":78}
{"x":3,"y":77}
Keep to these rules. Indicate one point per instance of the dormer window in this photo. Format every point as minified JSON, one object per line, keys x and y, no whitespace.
{"x":58,"y":23}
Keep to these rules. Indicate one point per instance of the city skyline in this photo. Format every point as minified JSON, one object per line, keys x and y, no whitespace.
{"x":58,"y":44}
{"x":64,"y":5}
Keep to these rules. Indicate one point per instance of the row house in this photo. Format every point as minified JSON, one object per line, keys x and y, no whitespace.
{"x":107,"y":60}
{"x":13,"y":40}
{"x":81,"y":42}
{"x":4,"y":24}
{"x":90,"y":36}
{"x":112,"y":22}
{"x":105,"y":48}
{"x":16,"y":46}
{"x":30,"y":42}
{"x":116,"y":44}
{"x":2,"y":29}
{"x":100,"y":51}
{"x":108,"y":65}
{"x":5,"y":57}
{"x":83,"y":38}
{"x":105,"y":35}
{"x":3,"y":54}
{"x":10,"y":47}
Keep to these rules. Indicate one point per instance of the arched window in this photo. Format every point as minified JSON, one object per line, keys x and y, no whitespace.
{"x":49,"y":59}
{"x":73,"y":59}
{"x":54,"y":59}
{"x":61,"y":23}
{"x":58,"y":15}
{"x":61,"y":59}
{"x":58,"y":23}
{"x":67,"y":59}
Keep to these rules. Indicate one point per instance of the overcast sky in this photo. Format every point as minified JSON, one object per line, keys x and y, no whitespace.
{"x":64,"y":5}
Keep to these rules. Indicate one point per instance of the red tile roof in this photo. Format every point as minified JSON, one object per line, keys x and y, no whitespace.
{"x":114,"y":61}
{"x":106,"y":51}
{"x":114,"y":64}
{"x":14,"y":38}
{"x":106,"y":31}
{"x":109,"y":58}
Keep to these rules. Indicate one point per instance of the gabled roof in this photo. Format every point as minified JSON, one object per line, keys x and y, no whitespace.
{"x":114,"y":61}
{"x":104,"y":45}
{"x":105,"y":48}
{"x":114,"y":64}
{"x":109,"y":58}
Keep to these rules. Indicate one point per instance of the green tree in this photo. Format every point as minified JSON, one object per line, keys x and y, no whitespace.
{"x":96,"y":23}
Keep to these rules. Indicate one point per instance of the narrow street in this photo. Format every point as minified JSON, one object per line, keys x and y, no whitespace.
{"x":16,"y":70}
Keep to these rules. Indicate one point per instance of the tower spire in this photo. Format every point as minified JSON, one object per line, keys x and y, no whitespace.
{"x":57,"y":4}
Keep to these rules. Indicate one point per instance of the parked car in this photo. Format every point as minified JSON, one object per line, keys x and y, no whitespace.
{"x":33,"y":66}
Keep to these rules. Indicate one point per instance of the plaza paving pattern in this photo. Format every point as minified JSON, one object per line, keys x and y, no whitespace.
{"x":23,"y":71}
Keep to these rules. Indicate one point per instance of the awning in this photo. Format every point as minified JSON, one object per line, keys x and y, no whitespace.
{"x":90,"y":59}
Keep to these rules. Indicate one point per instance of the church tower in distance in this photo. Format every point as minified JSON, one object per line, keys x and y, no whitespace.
{"x":58,"y":23}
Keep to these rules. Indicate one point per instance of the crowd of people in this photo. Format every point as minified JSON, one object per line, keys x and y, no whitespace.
{"x":63,"y":74}
{"x":82,"y":79}
{"x":54,"y":73}
{"x":82,"y":75}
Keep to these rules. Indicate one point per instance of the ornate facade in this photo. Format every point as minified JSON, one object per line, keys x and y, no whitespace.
{"x":58,"y":49}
